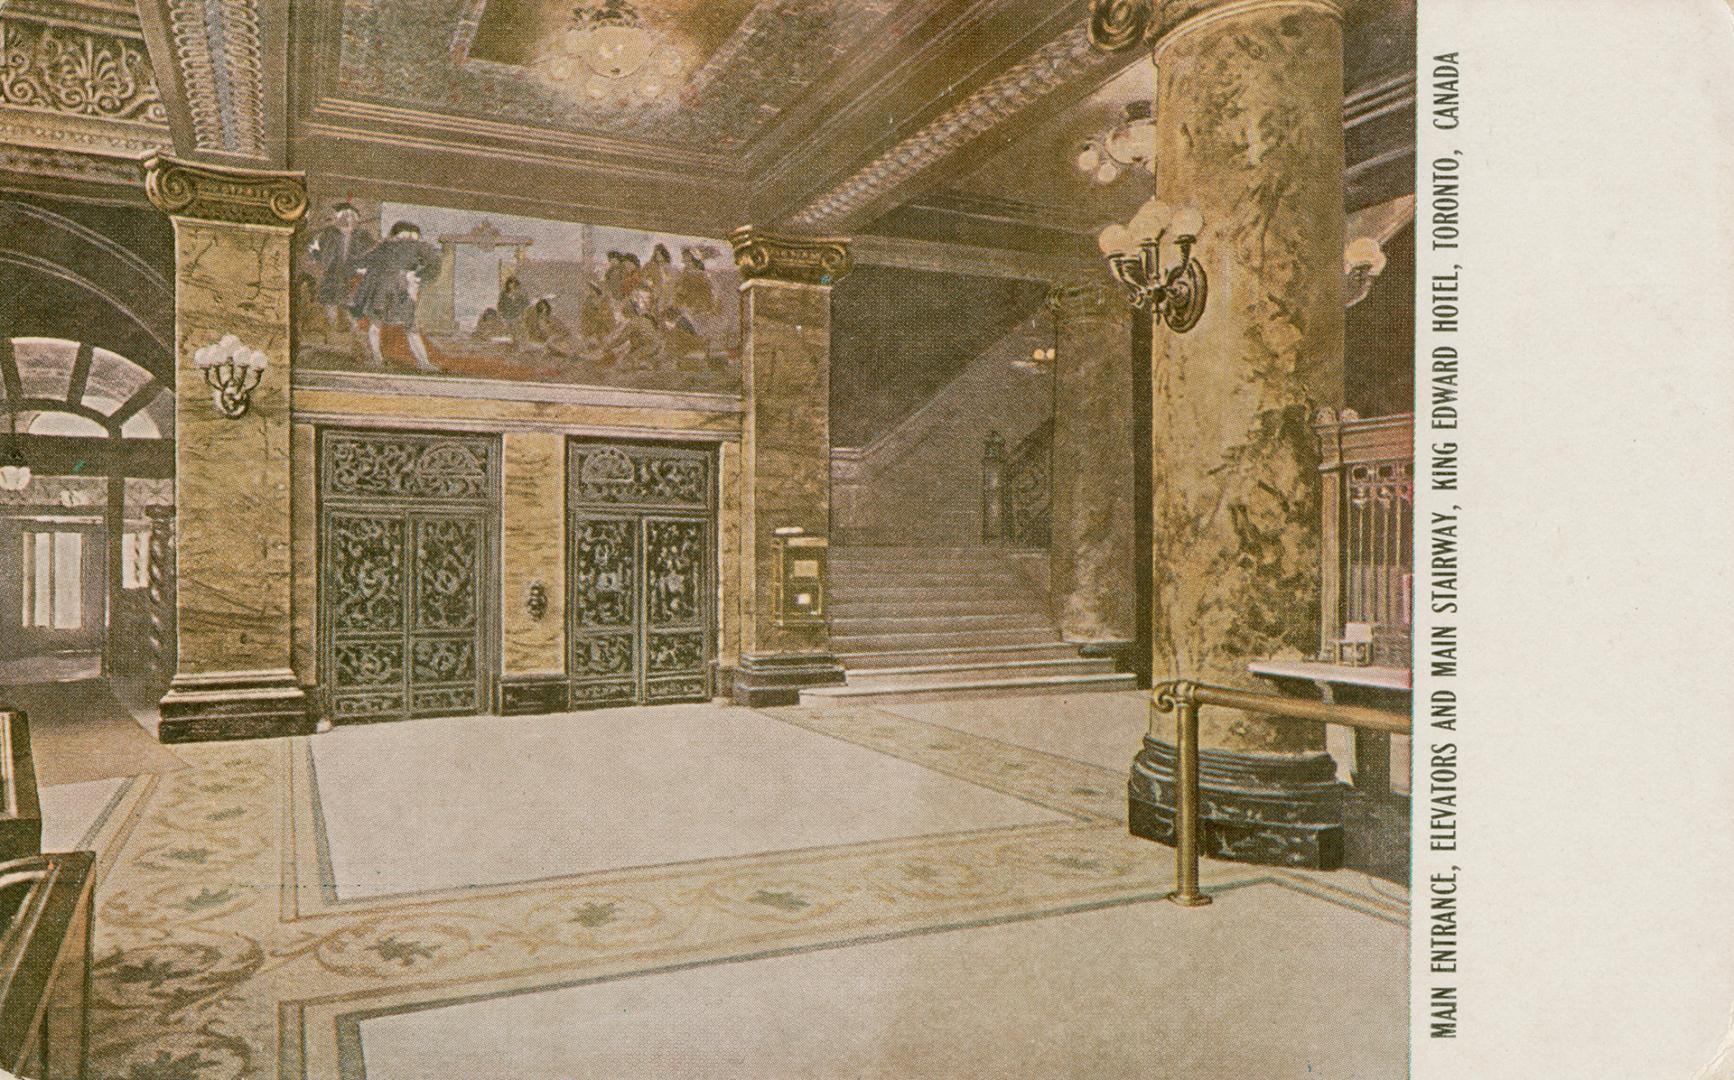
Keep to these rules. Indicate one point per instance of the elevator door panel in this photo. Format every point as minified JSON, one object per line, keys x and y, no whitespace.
{"x":407,"y":585}
{"x":641,"y":574}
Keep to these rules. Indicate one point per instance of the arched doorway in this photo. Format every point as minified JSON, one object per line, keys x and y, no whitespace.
{"x":96,"y":431}
{"x":86,"y":382}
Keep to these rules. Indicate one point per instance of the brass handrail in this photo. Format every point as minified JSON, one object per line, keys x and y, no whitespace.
{"x":1183,"y":698}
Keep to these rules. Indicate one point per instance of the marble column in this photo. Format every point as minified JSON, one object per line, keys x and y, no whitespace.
{"x":233,"y":676}
{"x":1248,"y":130}
{"x":1092,"y":579}
{"x":785,"y":464}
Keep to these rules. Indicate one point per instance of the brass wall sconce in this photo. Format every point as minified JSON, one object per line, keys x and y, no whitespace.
{"x":1175,"y":294}
{"x":232,"y":371}
{"x":536,"y":601}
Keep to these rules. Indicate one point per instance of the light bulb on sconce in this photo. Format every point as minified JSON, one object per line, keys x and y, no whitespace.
{"x":1175,"y":294}
{"x":1363,"y":261}
{"x":232,"y":371}
{"x":15,"y":471}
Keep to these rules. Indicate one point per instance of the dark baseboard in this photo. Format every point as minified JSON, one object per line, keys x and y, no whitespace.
{"x":244,"y":705}
{"x":779,"y":679}
{"x":1122,"y":653}
{"x":525,"y":695}
{"x":1268,"y":809}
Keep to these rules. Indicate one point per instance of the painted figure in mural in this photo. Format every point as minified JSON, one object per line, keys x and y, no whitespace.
{"x":658,"y":276}
{"x":621,"y":277}
{"x":541,"y":327}
{"x":596,"y":317}
{"x":693,"y":291}
{"x":392,"y":276}
{"x":502,"y":319}
{"x":336,"y":252}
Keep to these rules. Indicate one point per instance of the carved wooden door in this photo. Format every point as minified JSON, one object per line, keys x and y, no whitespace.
{"x":640,"y":580}
{"x":406,"y":583}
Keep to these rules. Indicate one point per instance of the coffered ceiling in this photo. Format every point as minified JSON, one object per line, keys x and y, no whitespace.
{"x":919,"y":122}
{"x":772,"y":103}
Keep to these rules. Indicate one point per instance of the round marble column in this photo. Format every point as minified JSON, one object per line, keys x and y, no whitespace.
{"x":1092,"y":580}
{"x":1249,"y":130}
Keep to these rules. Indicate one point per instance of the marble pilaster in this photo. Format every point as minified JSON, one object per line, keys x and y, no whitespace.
{"x":1091,"y":576}
{"x":785,"y":462}
{"x":233,"y":675}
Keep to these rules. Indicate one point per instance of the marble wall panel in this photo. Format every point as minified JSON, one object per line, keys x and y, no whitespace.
{"x":533,"y":549}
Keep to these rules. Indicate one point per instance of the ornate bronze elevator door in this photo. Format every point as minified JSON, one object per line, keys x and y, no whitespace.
{"x":406,"y":583}
{"x":640,"y":623}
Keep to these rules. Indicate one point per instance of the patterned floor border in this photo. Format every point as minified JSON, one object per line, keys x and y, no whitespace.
{"x":202,"y":974}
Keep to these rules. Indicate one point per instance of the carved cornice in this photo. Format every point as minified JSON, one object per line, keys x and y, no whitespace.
{"x":805,"y":260}
{"x":1119,"y":25}
{"x":43,"y":161}
{"x":1063,"y":60}
{"x":49,"y":67}
{"x":222,"y":194}
{"x":219,"y":47}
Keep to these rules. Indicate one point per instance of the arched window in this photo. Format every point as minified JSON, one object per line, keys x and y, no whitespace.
{"x":68,"y":388}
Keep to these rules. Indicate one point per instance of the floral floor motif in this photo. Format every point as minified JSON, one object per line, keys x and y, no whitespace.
{"x":219,"y":956}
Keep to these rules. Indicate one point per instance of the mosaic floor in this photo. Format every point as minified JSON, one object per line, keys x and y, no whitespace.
{"x":227,"y":946}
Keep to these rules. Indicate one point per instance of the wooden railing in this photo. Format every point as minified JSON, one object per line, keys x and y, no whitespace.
{"x":1367,"y":529}
{"x":1184,"y":698}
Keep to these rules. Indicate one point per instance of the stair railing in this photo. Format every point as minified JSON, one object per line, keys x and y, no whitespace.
{"x":1184,"y":698}
{"x":1016,"y":489}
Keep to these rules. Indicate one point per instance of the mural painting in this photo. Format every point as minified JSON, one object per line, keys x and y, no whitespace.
{"x":421,"y":290}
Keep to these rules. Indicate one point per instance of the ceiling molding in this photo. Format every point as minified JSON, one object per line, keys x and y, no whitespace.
{"x":907,"y":254}
{"x":79,"y":80}
{"x":222,"y":67}
{"x":1067,"y":59}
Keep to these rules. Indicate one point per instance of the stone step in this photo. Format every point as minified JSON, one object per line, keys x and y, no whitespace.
{"x":981,"y":654}
{"x":982,"y":688}
{"x":995,"y":595}
{"x":920,"y":606}
{"x":941,"y":639}
{"x":991,"y":670}
{"x":926,"y":571}
{"x":851,"y":626}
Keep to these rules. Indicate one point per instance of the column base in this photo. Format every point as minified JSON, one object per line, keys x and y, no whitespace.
{"x":779,"y":679}
{"x":1268,"y":809}
{"x":234,"y":705}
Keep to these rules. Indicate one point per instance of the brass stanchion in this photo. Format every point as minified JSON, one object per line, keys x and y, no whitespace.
{"x":1186,"y":799}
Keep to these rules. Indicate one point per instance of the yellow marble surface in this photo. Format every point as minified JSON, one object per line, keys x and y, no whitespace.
{"x":729,"y":519}
{"x":785,"y":447}
{"x":232,"y":497}
{"x":532,"y":548}
{"x":304,"y":530}
{"x":1250,"y":132}
{"x":486,"y":411}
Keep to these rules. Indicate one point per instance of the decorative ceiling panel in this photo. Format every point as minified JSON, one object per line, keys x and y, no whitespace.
{"x":450,"y":56}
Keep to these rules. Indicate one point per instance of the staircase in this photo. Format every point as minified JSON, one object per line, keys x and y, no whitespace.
{"x":917,"y":623}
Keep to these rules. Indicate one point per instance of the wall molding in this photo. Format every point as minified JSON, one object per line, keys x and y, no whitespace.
{"x":389,"y":385}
